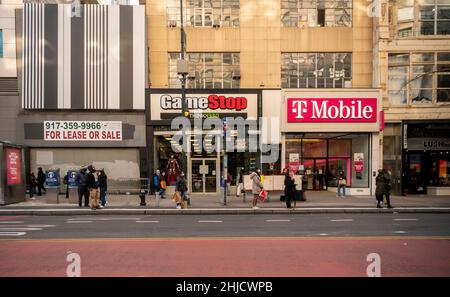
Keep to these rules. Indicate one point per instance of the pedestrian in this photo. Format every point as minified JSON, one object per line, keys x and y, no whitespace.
{"x":103,"y":186}
{"x":181,"y":188}
{"x":162,"y":185}
{"x":81,"y":181}
{"x":92,"y":185}
{"x":32,"y":185}
{"x":380,"y":187}
{"x":342,"y":183}
{"x":304,"y":186}
{"x":240,"y":186}
{"x":289,"y":188}
{"x":229,"y":180}
{"x":257,"y":186}
{"x":387,"y":187}
{"x":155,"y":181}
{"x":66,"y":182}
{"x":40,"y":181}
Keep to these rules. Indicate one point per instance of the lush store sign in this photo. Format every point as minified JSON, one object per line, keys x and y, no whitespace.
{"x":322,"y":110}
{"x":82,"y":130}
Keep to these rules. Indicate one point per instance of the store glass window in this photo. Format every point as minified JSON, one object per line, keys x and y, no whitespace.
{"x":204,"y":13}
{"x":314,"y":148}
{"x":316,"y":13}
{"x":1,"y":43}
{"x":316,"y":70}
{"x":419,"y":78}
{"x":207,"y":70}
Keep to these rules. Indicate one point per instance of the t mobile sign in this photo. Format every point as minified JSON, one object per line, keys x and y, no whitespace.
{"x":347,"y":110}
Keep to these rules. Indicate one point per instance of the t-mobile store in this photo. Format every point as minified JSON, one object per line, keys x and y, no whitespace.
{"x":325,"y":132}
{"x":205,"y":167}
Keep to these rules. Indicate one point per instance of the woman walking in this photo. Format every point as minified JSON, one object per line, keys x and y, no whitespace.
{"x":181,"y":188}
{"x":380,"y":187}
{"x":257,"y":186}
{"x":387,"y":187}
{"x":103,"y":185}
{"x":289,"y":188}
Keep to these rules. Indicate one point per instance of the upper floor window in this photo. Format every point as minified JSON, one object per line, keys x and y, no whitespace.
{"x":422,"y":17}
{"x":204,"y":13}
{"x":207,"y":70}
{"x":419,"y":78}
{"x":316,"y":13}
{"x":316,"y":70}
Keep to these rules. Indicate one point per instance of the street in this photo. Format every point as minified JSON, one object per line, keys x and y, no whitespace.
{"x":226,"y":245}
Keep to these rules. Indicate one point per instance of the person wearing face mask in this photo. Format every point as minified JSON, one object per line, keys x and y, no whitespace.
{"x":257,"y":186}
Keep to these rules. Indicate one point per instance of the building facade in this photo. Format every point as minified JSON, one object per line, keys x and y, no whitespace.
{"x":412,"y":68}
{"x":282,"y":50}
{"x":83,"y":90}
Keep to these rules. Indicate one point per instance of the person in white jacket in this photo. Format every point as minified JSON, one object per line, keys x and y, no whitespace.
{"x":257,"y":186}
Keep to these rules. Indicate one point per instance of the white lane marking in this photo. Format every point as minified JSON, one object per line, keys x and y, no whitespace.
{"x":11,"y":222}
{"x":210,"y":221}
{"x":76,"y":222}
{"x":105,"y":219}
{"x":342,"y":220}
{"x":323,"y":234}
{"x":21,"y":229}
{"x":31,"y":226}
{"x":400,"y":232}
{"x":405,"y":219}
{"x":147,"y":221}
{"x":270,"y":221}
{"x":12,"y":233}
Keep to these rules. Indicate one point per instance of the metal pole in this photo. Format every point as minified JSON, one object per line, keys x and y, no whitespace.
{"x":183,"y":86}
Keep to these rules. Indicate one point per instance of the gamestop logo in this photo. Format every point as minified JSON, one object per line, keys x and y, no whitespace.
{"x":351,"y":110}
{"x":212,"y":102}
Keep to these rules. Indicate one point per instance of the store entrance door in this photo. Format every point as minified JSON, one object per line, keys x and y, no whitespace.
{"x":315,"y":170}
{"x":204,"y":175}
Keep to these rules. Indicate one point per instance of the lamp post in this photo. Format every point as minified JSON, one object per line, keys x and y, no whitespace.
{"x":182,"y":69}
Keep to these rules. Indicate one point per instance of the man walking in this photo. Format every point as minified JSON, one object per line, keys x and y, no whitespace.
{"x":41,"y":181}
{"x":92,"y":185}
{"x":81,"y":181}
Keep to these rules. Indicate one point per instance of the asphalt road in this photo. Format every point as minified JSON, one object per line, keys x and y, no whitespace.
{"x":290,"y":225}
{"x":227,"y":245}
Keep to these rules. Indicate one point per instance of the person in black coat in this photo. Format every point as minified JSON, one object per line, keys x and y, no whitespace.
{"x":103,"y":186}
{"x":289,"y":189}
{"x":387,"y":187}
{"x":380,"y":187}
{"x":40,"y":181}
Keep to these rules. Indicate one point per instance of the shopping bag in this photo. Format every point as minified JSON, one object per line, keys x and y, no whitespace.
{"x":163,"y":184}
{"x":176,"y":197}
{"x":262,"y":195}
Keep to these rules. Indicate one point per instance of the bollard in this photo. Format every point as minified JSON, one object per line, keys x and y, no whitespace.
{"x":142,"y":196}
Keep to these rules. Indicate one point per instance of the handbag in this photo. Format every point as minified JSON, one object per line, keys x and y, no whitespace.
{"x":342,"y":182}
{"x":176,"y":197}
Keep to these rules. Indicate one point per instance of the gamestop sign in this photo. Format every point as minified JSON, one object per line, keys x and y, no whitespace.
{"x":322,"y":110}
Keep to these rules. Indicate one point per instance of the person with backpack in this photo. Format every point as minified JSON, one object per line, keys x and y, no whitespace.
{"x":181,"y":188}
{"x":162,"y":185}
{"x":92,"y":185}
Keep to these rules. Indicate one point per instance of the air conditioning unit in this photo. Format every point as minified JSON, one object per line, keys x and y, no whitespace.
{"x":182,"y":67}
{"x":217,"y":24}
{"x":172,"y":24}
{"x":236,"y":75}
{"x":191,"y":75}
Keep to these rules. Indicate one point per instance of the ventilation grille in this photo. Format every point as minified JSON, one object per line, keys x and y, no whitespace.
{"x":8,"y":85}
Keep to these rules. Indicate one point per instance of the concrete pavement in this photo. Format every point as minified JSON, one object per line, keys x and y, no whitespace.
{"x":317,"y":202}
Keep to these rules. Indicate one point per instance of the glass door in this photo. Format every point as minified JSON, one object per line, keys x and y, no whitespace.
{"x":320,"y":166}
{"x":204,"y":175}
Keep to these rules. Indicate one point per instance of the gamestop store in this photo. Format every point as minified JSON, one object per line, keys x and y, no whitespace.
{"x":205,"y":166}
{"x":325,"y":132}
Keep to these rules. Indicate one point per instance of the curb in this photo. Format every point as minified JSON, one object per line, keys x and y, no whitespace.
{"x":199,"y":211}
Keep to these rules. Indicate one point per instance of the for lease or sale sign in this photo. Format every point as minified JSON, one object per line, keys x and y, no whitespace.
{"x":83,"y":130}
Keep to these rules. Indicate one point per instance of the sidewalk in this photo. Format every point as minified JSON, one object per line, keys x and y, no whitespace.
{"x":317,"y":202}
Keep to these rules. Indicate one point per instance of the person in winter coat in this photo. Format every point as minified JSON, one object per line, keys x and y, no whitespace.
{"x":92,"y":185}
{"x":257,"y":186}
{"x":40,"y":181}
{"x":240,"y":186}
{"x":155,"y":181}
{"x":181,"y":187}
{"x":387,"y":187}
{"x":81,"y":181}
{"x":289,"y":188}
{"x":103,"y":186}
{"x":32,"y":184}
{"x":380,"y":187}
